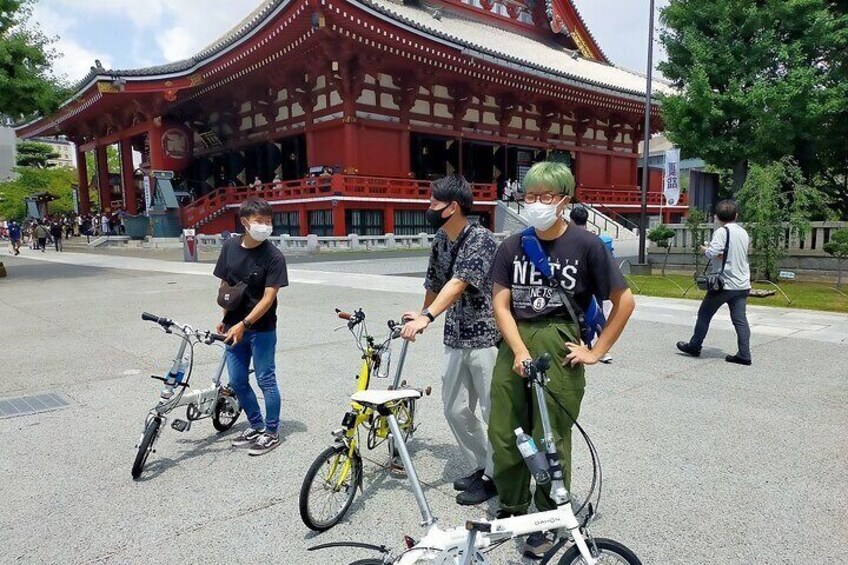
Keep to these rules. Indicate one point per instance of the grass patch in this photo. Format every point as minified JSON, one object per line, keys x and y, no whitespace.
{"x":806,"y":295}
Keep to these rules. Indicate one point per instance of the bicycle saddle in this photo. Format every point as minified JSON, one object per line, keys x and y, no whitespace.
{"x":376,"y":398}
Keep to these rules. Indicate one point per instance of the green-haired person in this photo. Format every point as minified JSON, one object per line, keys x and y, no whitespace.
{"x":533,"y":317}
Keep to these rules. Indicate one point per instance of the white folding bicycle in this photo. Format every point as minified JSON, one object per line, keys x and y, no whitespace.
{"x":470,"y":545}
{"x":216,"y":401}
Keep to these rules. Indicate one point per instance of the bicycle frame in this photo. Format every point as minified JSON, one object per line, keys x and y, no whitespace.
{"x":475,"y":536}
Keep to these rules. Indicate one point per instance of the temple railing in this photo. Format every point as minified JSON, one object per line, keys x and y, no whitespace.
{"x":209,"y":206}
{"x":623,"y":196}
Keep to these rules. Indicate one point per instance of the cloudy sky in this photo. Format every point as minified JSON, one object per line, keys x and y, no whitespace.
{"x":131,"y":33}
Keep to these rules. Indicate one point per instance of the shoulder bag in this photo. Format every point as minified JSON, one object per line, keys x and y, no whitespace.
{"x":713,"y":282}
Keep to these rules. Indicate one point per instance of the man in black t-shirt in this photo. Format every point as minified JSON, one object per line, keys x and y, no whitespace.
{"x":534,"y":318}
{"x":251,"y":323}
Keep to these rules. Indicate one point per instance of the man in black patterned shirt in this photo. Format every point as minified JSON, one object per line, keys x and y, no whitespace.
{"x":458,"y":283}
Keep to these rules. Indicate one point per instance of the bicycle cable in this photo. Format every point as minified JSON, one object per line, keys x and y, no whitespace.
{"x":597,"y":473}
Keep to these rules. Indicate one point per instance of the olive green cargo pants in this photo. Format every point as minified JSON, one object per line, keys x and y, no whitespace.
{"x":513,"y":405}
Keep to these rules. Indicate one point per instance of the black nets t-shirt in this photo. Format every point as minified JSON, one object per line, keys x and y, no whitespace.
{"x":580,"y":263}
{"x":261,"y":267}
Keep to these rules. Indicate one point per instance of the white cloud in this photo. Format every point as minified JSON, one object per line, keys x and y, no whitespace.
{"x":73,"y":59}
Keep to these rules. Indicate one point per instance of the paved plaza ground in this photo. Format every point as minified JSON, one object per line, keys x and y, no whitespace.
{"x":704,"y":462}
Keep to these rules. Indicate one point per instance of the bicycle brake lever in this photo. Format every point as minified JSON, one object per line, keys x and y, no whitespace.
{"x":343,"y":326}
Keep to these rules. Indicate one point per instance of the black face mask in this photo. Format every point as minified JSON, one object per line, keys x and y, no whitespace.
{"x":435,"y":219}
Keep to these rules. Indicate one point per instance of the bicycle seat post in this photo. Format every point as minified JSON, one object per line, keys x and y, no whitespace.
{"x":400,"y":445}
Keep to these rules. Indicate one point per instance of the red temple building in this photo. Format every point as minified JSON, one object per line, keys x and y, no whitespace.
{"x":378,"y":97}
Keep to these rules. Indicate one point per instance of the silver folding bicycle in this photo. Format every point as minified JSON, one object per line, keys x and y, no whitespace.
{"x":216,"y":401}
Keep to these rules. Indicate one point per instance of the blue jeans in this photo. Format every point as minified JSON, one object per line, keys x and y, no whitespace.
{"x":261,"y":347}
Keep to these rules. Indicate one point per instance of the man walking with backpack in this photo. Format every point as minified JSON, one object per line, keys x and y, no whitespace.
{"x":458,"y":283}
{"x":544,"y":279}
{"x":730,"y":246}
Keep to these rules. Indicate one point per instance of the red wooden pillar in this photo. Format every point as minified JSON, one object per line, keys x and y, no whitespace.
{"x":83,"y":190}
{"x":405,"y":152}
{"x":303,"y":220}
{"x":128,"y":178}
{"x":351,"y":150}
{"x":389,"y":218}
{"x":339,"y":227}
{"x":103,"y":179}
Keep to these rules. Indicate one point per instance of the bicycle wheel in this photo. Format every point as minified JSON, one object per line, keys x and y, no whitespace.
{"x":609,"y":553}
{"x":371,"y":561}
{"x":405,"y":414}
{"x":226,"y":412}
{"x":329,"y":488}
{"x":145,"y":446}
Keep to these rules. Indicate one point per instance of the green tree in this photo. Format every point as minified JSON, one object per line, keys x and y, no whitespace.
{"x":838,"y":247}
{"x":662,"y":236}
{"x":31,"y":154}
{"x":30,"y":180}
{"x":776,"y":203}
{"x":758,"y":80}
{"x":697,"y":230}
{"x":113,"y":160}
{"x":27,"y":85}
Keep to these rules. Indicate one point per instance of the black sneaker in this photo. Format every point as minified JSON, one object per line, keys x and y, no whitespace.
{"x":465,"y":482}
{"x":480,"y":491}
{"x":264,"y":444}
{"x":538,"y":544}
{"x":738,"y":360}
{"x":684,"y":347}
{"x":247,"y":438}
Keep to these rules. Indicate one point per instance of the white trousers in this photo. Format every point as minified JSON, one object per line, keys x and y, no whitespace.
{"x":466,"y":384}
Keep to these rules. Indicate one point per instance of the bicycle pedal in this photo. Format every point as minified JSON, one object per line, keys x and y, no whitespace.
{"x":181,"y":425}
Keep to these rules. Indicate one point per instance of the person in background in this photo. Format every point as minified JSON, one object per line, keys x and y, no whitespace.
{"x":15,"y":237}
{"x":56,"y":232}
{"x":251,"y":324}
{"x":257,"y":183}
{"x":86,"y":227}
{"x":40,"y":233}
{"x":458,"y":283}
{"x":78,"y":225}
{"x":534,"y":317}
{"x":104,"y":224}
{"x":736,"y":277}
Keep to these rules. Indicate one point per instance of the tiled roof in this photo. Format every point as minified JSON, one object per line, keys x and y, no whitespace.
{"x":545,"y":57}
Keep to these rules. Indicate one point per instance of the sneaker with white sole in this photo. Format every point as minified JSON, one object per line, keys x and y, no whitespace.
{"x":538,"y":544}
{"x":264,"y":444}
{"x":247,"y":438}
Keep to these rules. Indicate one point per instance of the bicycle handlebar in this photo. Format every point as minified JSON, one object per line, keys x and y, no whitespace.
{"x":538,"y":365}
{"x":343,"y":315}
{"x":217,"y":337}
{"x":162,"y":321}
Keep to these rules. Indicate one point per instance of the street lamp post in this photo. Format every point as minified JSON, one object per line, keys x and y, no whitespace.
{"x":643,"y":216}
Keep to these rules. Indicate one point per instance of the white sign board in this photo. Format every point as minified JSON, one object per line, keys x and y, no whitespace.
{"x":148,"y":199}
{"x":788,"y":275}
{"x":672,"y":177}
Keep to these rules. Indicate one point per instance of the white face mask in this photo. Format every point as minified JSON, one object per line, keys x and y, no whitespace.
{"x":540,"y":216}
{"x":260,"y":232}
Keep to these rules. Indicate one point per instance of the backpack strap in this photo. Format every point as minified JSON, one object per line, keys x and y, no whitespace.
{"x":454,"y":253}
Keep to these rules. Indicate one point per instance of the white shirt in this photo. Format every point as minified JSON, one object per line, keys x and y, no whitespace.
{"x":737,"y":271}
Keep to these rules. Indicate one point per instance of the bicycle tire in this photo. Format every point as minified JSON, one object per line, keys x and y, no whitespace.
{"x":145,"y":446}
{"x":340,"y":453}
{"x":606,"y":547}
{"x":218,"y":423}
{"x":370,"y":561}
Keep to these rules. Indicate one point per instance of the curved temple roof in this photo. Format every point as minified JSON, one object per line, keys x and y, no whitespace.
{"x":476,"y":37}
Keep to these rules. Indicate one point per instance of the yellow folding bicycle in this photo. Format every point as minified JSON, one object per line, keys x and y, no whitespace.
{"x":330,"y":484}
